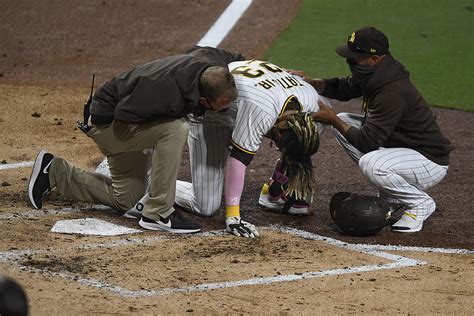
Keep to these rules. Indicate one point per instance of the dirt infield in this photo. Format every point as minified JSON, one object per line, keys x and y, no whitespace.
{"x":48,"y":53}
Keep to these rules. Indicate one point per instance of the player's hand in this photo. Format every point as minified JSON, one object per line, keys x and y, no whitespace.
{"x":325,"y":115}
{"x":299,"y":73}
{"x":236,"y":226}
{"x":317,"y":83}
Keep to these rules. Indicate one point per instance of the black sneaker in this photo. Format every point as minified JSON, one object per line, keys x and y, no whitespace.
{"x":174,"y":223}
{"x":39,"y":180}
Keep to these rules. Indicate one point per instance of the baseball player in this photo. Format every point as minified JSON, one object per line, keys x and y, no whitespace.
{"x":266,"y":92}
{"x":396,"y":143}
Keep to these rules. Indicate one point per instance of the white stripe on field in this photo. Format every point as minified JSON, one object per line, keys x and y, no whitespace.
{"x":296,"y":232}
{"x":124,"y":292}
{"x":225,"y":23}
{"x":366,"y":247}
{"x":416,"y":249}
{"x":16,"y":165}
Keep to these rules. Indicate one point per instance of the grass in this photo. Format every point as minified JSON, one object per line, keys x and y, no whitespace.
{"x":434,"y":39}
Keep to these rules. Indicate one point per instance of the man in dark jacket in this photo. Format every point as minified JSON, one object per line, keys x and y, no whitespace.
{"x":397,"y":143}
{"x":141,"y":109}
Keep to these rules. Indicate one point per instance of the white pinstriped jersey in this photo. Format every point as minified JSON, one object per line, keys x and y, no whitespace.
{"x":264,"y":90}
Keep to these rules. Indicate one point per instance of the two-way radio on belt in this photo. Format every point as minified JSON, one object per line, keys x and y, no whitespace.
{"x":84,"y":125}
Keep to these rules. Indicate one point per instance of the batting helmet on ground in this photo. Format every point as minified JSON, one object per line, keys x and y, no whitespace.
{"x":359,"y":215}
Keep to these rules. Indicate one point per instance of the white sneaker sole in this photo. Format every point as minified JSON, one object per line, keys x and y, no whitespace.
{"x":403,"y":227}
{"x":34,"y":175}
{"x":263,"y":201}
{"x":152,"y":226}
{"x":132,"y":214}
{"x":278,"y":206}
{"x":298,"y":211}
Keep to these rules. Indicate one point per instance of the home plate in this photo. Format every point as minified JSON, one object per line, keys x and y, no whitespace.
{"x":91,"y":226}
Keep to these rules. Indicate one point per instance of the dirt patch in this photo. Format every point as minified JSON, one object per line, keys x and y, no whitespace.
{"x":184,"y":262}
{"x":47,"y":55}
{"x":160,"y":276}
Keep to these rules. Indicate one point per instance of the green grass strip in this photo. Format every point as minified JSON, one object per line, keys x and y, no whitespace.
{"x":434,"y":39}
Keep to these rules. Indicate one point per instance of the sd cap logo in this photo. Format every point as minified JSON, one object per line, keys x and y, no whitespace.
{"x":352,"y":37}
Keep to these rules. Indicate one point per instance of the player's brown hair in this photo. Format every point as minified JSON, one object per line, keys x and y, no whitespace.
{"x":297,"y":145}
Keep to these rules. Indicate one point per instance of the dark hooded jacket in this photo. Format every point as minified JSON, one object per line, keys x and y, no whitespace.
{"x":162,"y":89}
{"x":397,"y":114}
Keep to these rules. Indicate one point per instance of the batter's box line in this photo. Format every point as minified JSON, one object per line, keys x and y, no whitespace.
{"x":13,"y":257}
{"x":366,"y":247}
{"x":100,"y":208}
{"x":123,"y":292}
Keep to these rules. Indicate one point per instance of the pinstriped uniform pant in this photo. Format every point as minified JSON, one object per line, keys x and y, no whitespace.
{"x":400,"y":174}
{"x":208,"y":141}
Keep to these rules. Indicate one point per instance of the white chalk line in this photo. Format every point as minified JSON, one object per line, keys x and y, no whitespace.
{"x":16,"y":165}
{"x":307,"y":235}
{"x":14,"y":257}
{"x":16,"y":254}
{"x":124,"y":292}
{"x":225,"y":23}
{"x":368,"y":247}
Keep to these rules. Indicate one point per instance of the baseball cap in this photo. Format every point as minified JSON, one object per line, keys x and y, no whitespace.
{"x":364,"y":42}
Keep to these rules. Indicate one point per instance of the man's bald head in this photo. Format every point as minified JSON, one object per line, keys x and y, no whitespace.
{"x":217,"y":82}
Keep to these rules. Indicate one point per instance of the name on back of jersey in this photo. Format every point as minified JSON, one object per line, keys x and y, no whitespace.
{"x":285,"y":82}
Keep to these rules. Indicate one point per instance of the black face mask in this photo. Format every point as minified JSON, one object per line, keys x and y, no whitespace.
{"x":360,"y":73}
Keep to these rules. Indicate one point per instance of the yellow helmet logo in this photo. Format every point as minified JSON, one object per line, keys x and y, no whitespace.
{"x":353,"y":37}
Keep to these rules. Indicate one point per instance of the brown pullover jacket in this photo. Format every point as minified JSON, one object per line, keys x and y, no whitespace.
{"x":397,"y":114}
{"x":162,"y":89}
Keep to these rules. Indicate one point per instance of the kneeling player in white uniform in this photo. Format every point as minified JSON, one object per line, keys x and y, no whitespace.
{"x":265,"y":92}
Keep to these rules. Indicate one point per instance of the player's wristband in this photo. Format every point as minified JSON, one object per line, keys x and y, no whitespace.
{"x":232,"y":211}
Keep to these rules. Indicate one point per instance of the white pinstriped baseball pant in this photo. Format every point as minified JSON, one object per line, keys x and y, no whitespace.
{"x":400,"y":174}
{"x":208,"y":141}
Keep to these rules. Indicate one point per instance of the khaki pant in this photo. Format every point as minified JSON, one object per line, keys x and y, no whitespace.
{"x":123,"y":145}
